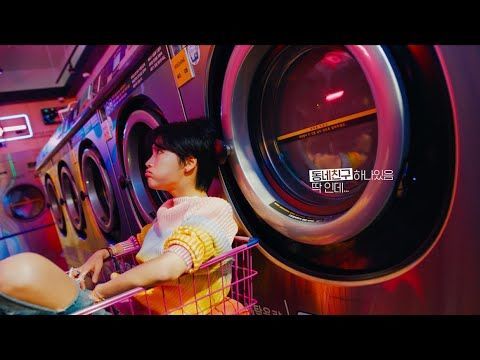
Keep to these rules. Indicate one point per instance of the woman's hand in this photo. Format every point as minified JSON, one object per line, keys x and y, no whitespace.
{"x":96,"y":295}
{"x":93,"y":265}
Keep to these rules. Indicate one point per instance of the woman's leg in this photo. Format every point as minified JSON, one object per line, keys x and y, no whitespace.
{"x":34,"y":279}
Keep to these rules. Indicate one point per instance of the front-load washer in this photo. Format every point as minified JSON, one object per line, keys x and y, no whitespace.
{"x":26,"y":224}
{"x":148,"y":98}
{"x":387,"y":128}
{"x":102,"y":193}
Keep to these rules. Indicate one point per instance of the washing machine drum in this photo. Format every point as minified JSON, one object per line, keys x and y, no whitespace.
{"x":54,"y":205}
{"x":99,"y":189}
{"x":72,"y":198}
{"x":322,"y":141}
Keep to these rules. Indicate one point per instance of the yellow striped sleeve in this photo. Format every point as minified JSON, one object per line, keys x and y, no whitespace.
{"x":143,"y":232}
{"x":198,"y":243}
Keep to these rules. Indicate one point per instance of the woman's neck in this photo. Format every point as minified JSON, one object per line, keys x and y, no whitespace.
{"x":190,"y":192}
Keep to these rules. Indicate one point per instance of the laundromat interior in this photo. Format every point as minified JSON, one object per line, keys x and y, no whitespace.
{"x":352,"y":169}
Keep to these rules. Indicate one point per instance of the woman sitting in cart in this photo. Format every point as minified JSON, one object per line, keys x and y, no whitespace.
{"x":189,"y":229}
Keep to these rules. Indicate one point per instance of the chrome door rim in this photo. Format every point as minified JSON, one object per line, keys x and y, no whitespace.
{"x":54,"y":204}
{"x":104,"y":219}
{"x":136,"y":117}
{"x":76,"y":213}
{"x":390,"y":149}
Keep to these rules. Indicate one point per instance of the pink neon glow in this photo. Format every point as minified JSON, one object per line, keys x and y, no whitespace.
{"x":334,"y":95}
{"x":332,"y":59}
{"x":15,"y":128}
{"x":12,"y":128}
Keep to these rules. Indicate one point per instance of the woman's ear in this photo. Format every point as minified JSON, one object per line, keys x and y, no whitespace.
{"x":190,"y":163}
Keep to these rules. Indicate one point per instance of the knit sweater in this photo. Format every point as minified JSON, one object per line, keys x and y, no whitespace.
{"x":197,"y":229}
{"x":210,"y":214}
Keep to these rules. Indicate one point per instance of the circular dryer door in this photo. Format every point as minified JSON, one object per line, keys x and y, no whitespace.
{"x":54,"y":205}
{"x":24,"y":202}
{"x":72,"y":198}
{"x":136,"y":152}
{"x":323,"y":140}
{"x":99,"y":189}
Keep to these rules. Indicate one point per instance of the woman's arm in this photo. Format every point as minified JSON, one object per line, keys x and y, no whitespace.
{"x":168,"y":266}
{"x":95,"y":262}
{"x":129,"y":245}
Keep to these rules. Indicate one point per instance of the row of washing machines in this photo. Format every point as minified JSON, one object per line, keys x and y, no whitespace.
{"x":392,"y":239}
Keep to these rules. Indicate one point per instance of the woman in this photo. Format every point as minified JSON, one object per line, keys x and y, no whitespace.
{"x":189,"y":229}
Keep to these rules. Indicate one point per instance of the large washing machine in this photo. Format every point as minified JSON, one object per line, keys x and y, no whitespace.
{"x":49,"y":177}
{"x":148,"y":98}
{"x":65,"y":199}
{"x":98,"y":179}
{"x":353,"y":165}
{"x":71,"y":224}
{"x":78,"y":214}
{"x":26,"y":223}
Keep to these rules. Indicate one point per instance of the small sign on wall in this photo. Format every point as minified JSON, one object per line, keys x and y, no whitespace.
{"x":182,"y":69}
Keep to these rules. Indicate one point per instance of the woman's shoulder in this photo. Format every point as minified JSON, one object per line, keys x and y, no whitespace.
{"x":211,"y":204}
{"x":216,"y":201}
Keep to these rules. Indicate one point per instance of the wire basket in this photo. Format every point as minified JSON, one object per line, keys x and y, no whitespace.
{"x":222,"y":285}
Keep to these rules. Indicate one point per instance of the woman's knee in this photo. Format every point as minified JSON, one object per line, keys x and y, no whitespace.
{"x":20,"y":271}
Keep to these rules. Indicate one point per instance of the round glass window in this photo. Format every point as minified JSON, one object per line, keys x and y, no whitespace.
{"x":25,"y":202}
{"x":318,"y":127}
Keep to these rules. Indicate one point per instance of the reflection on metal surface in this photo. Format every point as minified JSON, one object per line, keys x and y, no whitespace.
{"x":71,"y":195}
{"x":55,"y":205}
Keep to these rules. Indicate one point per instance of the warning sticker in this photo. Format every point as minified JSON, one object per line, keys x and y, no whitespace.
{"x":182,"y":69}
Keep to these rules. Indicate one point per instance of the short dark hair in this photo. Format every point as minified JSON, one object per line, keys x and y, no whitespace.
{"x":192,"y":138}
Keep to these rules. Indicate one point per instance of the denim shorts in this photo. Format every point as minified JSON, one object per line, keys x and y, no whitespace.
{"x":12,"y":306}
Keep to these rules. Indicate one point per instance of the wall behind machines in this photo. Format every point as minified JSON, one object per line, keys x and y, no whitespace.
{"x":18,"y":232}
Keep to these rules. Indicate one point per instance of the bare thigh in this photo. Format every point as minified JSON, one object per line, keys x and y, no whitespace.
{"x":35,"y":279}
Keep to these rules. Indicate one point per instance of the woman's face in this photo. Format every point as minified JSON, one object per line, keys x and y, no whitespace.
{"x":163,"y":171}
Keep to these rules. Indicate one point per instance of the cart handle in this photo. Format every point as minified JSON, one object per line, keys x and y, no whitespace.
{"x":247,"y":243}
{"x":110,"y":301}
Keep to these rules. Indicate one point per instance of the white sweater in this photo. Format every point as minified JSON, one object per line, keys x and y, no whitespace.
{"x":211,"y":214}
